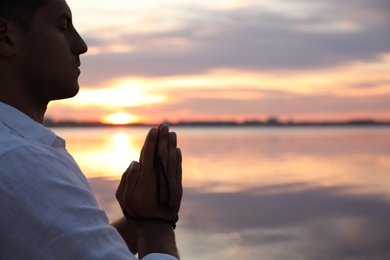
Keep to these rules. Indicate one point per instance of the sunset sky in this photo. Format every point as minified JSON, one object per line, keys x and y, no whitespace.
{"x":183,"y":60}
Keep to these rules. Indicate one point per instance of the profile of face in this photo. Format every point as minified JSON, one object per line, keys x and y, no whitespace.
{"x":50,"y":53}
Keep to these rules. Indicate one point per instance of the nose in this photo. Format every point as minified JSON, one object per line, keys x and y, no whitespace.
{"x":79,"y":45}
{"x":84,"y":47}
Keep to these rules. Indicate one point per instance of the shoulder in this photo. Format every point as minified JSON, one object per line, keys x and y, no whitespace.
{"x":31,"y":166}
{"x":10,"y":140}
{"x":47,"y":200}
{"x":45,"y":197}
{"x":18,"y":155}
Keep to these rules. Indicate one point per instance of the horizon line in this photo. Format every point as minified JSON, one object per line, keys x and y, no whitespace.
{"x":270,"y":122}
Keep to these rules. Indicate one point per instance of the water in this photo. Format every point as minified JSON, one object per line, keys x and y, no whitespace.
{"x":262,"y":192}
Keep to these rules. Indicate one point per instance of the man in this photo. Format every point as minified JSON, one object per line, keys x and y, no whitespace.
{"x":48,"y":210}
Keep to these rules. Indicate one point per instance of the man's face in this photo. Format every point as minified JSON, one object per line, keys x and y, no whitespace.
{"x":50,"y":54}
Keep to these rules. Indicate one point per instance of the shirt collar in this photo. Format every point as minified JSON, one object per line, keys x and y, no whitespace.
{"x":27,"y":128}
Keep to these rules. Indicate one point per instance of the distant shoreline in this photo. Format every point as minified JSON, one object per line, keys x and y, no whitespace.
{"x":270,"y":123}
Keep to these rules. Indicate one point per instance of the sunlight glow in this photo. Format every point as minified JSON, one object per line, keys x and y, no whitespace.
{"x":138,"y":95}
{"x":120,"y":118}
{"x":124,"y":95}
{"x":109,"y":155}
{"x":118,"y":140}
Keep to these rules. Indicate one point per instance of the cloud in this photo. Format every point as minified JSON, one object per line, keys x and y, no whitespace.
{"x":249,"y":38}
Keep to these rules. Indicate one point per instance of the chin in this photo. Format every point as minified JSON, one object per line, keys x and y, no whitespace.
{"x":75,"y":92}
{"x":68,"y":94}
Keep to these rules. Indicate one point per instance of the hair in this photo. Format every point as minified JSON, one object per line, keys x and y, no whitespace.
{"x":20,"y":12}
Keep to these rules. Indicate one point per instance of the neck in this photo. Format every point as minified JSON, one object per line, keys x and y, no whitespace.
{"x":35,"y":111}
{"x":36,"y":115}
{"x":13,"y":91}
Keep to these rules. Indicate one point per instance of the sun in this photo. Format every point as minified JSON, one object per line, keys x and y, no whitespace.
{"x":120,"y":118}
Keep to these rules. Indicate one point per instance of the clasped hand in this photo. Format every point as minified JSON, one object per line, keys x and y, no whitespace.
{"x":151,"y":189}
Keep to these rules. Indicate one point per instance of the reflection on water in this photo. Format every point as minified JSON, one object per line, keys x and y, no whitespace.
{"x":262,"y":193}
{"x":103,"y":151}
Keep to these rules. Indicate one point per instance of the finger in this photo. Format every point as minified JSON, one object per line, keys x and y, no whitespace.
{"x":140,"y":154}
{"x":143,"y":147}
{"x":148,"y":151}
{"x":173,"y":139}
{"x":178,"y":189}
{"x":163,"y":140}
{"x":132,"y":178}
{"x":172,"y":155}
{"x":179,"y":170}
{"x":121,"y":188}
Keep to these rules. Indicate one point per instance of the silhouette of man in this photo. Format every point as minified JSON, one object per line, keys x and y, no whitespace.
{"x":48,"y":210}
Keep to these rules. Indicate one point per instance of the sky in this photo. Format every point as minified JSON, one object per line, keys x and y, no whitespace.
{"x":191,"y":60}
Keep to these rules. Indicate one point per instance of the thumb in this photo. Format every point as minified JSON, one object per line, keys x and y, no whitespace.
{"x":120,"y":192}
{"x":131,"y":182}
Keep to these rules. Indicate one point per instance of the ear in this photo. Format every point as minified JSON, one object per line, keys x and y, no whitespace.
{"x":9,"y":33}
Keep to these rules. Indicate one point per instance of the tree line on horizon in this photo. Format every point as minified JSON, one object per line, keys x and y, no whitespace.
{"x":272,"y":121}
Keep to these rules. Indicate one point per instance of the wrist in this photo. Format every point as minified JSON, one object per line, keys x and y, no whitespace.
{"x":156,"y":237}
{"x":150,"y":226}
{"x":171,"y":221}
{"x":128,"y":231}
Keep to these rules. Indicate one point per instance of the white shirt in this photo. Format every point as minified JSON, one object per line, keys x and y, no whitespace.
{"x":47,"y":208}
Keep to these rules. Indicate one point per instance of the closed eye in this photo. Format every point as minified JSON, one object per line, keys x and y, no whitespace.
{"x":64,"y":21}
{"x":64,"y":26}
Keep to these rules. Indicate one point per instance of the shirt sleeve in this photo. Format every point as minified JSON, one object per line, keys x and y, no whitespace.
{"x":159,"y":257}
